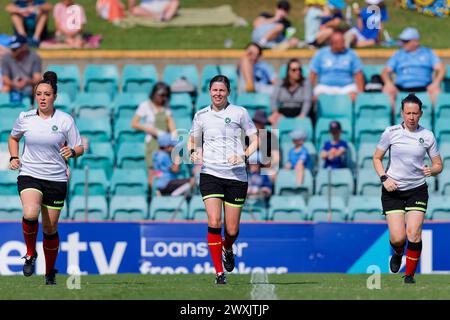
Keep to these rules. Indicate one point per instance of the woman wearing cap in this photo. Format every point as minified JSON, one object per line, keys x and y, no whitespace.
{"x":404,"y":194}
{"x":51,"y":138}
{"x":217,"y":140}
{"x":292,"y":97}
{"x":298,"y":157}
{"x":157,"y":120}
{"x":334,"y":151}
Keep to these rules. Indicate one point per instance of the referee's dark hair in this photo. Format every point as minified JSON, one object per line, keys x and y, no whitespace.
{"x":412,"y":98}
{"x":50,"y":78}
{"x":220,"y":78}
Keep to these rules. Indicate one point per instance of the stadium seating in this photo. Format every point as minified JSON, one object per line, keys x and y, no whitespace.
{"x":6,"y":124}
{"x":173,"y":72}
{"x":97,"y":208}
{"x":197,"y":209}
{"x":163,"y":209}
{"x":365,"y":208}
{"x":181,"y":105}
{"x":128,"y":208}
{"x":446,"y":82}
{"x":101,"y":78}
{"x":319,"y":209}
{"x":183,"y":124}
{"x":131,"y":155}
{"x":10,"y":207}
{"x":283,"y":70}
{"x":138,"y":78}
{"x":286,"y":183}
{"x":93,"y":105}
{"x":350,"y":157}
{"x":444,"y":150}
{"x":287,"y":208}
{"x":97,"y":182}
{"x":254,"y":209}
{"x":254,"y":101}
{"x":126,"y":103}
{"x":427,"y":107}
{"x":69,"y":78}
{"x":322,"y":131}
{"x":124,"y":132}
{"x":99,"y":155}
{"x":63,"y":102}
{"x":372,"y":105}
{"x":95,"y":130}
{"x":366,"y":151}
{"x":203,"y":100}
{"x":442,"y":130}
{"x":286,"y":125}
{"x":370,"y":70}
{"x":8,"y":183}
{"x":438,"y":208}
{"x":444,"y":183}
{"x":230,"y":71}
{"x":335,"y":107}
{"x":442,"y":108}
{"x":287,"y":146}
{"x":209,"y":71}
{"x":368,"y":183}
{"x":340,"y":180}
{"x":128,"y":182}
{"x":369,"y":130}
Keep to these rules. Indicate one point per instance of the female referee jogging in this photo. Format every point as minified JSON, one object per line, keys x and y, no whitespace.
{"x":51,"y":138}
{"x":404,"y":192}
{"x":217,"y":141}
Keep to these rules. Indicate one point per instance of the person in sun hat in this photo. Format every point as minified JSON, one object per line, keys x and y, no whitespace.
{"x":299,"y":158}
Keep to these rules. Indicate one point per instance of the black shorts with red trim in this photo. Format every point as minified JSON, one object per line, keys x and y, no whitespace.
{"x":415,"y":199}
{"x":53,"y":192}
{"x":232,"y":192}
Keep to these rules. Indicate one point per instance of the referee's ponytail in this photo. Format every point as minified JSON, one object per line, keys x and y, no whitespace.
{"x":51,"y":79}
{"x":412,"y":98}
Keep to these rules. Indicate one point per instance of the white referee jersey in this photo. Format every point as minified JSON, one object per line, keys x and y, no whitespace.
{"x":224,"y":134}
{"x":43,"y":140}
{"x":407,"y":154}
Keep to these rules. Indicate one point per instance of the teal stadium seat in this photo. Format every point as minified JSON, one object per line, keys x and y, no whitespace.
{"x":6,"y":125}
{"x":288,"y":145}
{"x":444,"y":150}
{"x":123,"y":132}
{"x":442,"y":131}
{"x":372,"y":105}
{"x":286,"y":125}
{"x":318,"y":209}
{"x":322,"y":131}
{"x":286,"y":184}
{"x":93,"y":105}
{"x":181,"y":105}
{"x":254,"y":210}
{"x":438,"y":208}
{"x":342,"y":182}
{"x":446,"y":82}
{"x":183,"y":123}
{"x":94,"y":129}
{"x":432,"y":185}
{"x":197,"y":209}
{"x":99,"y":155}
{"x":370,"y":70}
{"x":365,"y":208}
{"x":98,"y":184}
{"x":230,"y":71}
{"x":442,"y":108}
{"x":69,"y":78}
{"x":209,"y":71}
{"x":173,"y":72}
{"x":131,"y":155}
{"x":287,"y":208}
{"x":8,"y":182}
{"x":128,"y":182}
{"x":138,"y":78}
{"x":368,"y":183}
{"x":369,"y":130}
{"x":10,"y":208}
{"x":335,"y":107}
{"x":444,"y":183}
{"x":97,"y":208}
{"x":169,"y":208}
{"x":126,"y":103}
{"x":128,"y":208}
{"x":101,"y":78}
{"x":203,"y":100}
{"x":425,"y":121}
{"x":366,"y":151}
{"x":63,"y":102}
{"x":254,"y":101}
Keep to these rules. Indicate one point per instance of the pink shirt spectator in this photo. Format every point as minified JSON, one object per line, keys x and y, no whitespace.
{"x":69,"y":19}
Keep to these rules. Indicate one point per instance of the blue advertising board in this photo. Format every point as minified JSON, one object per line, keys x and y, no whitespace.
{"x":167,"y":248}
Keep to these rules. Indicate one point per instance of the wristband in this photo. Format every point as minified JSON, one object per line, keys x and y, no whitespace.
{"x":192,"y":151}
{"x":383,"y":178}
{"x":12,"y":158}
{"x":74,"y":154}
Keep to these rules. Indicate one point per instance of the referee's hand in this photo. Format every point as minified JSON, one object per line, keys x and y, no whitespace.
{"x":426,"y":171}
{"x":14,"y":164}
{"x":390,"y":185}
{"x":235,"y":159}
{"x":196,"y":157}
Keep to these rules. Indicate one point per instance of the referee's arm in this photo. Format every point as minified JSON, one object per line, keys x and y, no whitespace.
{"x":436,"y":167}
{"x":253,"y":146}
{"x":388,"y":183}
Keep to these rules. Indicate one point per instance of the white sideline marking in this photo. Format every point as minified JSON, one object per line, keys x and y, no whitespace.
{"x":262,"y":289}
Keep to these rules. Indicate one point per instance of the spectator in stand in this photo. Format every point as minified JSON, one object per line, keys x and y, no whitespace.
{"x":21,"y":70}
{"x":334,"y":152}
{"x":313,"y":16}
{"x":414,"y":66}
{"x":255,"y":75}
{"x":29,"y":18}
{"x":369,"y":25}
{"x":292,"y":96}
{"x":165,"y":169}
{"x":332,"y":19}
{"x":157,"y":120}
{"x":336,"y":69}
{"x":69,"y":31}
{"x":298,"y":157}
{"x":260,"y":186}
{"x":273,"y":30}
{"x":160,"y":10}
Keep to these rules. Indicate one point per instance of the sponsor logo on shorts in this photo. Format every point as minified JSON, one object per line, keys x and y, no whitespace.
{"x":58,"y":202}
{"x":421,"y":203}
{"x":239,"y":199}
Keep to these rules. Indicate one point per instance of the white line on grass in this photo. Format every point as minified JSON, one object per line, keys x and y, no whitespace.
{"x":261,"y":288}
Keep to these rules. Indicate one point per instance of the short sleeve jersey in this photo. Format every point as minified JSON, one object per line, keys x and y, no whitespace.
{"x":43,"y":140}
{"x":407,"y":152}
{"x":223,"y":134}
{"x":336,"y":163}
{"x":146,"y":111}
{"x":301,"y":155}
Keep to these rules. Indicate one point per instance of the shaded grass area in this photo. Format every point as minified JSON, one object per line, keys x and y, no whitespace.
{"x":202,"y":287}
{"x":214,"y":37}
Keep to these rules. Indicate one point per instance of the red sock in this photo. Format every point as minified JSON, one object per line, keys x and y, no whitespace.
{"x":215,"y":247}
{"x":412,"y":257}
{"x":30,"y":229}
{"x":51,"y":246}
{"x":229,"y":240}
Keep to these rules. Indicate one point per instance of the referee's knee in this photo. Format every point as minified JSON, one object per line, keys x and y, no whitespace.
{"x":49,"y":229}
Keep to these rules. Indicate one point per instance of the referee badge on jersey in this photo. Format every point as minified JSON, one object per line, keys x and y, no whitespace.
{"x":227,"y":120}
{"x":54,"y":129}
{"x":421,"y":141}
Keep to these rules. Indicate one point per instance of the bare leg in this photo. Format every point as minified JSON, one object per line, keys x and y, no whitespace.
{"x":17,"y":21}
{"x":247,"y":73}
{"x":40,"y":25}
{"x":141,"y":12}
{"x":171,"y":10}
{"x":397,"y":228}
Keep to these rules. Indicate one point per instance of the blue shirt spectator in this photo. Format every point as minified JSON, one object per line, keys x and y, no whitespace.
{"x":301,"y":154}
{"x":338,"y":162}
{"x":413,"y":68}
{"x":335,"y":69}
{"x":375,"y":20}
{"x":162,"y":164}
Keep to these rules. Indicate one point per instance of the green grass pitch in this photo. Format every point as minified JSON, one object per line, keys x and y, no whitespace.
{"x":239,"y":287}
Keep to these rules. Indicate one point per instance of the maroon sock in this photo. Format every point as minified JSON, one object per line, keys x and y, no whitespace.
{"x":30,"y":229}
{"x":229,"y":240}
{"x":51,"y":246}
{"x":215,"y":247}
{"x":399,"y":250}
{"x":413,"y":252}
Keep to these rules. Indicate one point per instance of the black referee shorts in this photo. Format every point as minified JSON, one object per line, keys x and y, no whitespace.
{"x":415,"y":199}
{"x":232,"y":192}
{"x":53,"y":192}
